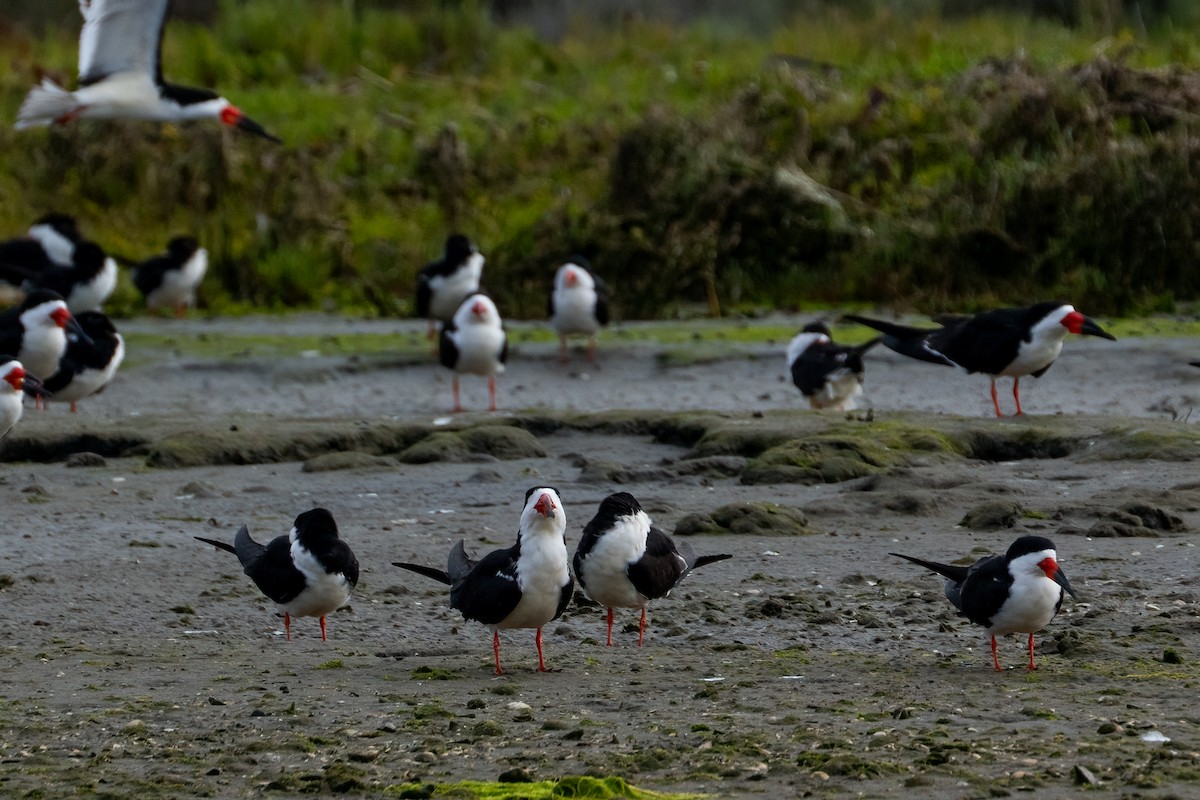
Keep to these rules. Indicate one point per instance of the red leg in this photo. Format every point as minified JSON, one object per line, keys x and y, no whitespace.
{"x":181,"y":311}
{"x":995,"y":400}
{"x":610,"y":622}
{"x":1017,"y":395}
{"x":1032,"y":666}
{"x":457,"y":405}
{"x":642,"y":627}
{"x":73,"y":114}
{"x":287,"y":626}
{"x":491,"y":392}
{"x":995,"y":657}
{"x":563,"y":355}
{"x":323,"y":639}
{"x":496,"y":649}
{"x":592,"y":349}
{"x":541,"y":662}
{"x":73,"y":408}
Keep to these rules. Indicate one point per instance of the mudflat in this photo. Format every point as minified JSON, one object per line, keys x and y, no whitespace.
{"x":140,"y":662}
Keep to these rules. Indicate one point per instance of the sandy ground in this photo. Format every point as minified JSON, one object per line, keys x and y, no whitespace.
{"x":138,"y":662}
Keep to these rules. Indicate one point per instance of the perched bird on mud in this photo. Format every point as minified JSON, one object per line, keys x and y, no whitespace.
{"x":86,"y":284}
{"x":36,"y":332}
{"x":829,"y":375}
{"x":170,"y":280}
{"x":15,"y":383}
{"x":442,"y":285}
{"x":624,"y":561}
{"x":578,"y":305}
{"x":310,"y":572}
{"x":523,"y":586}
{"x":88,"y":365}
{"x":120,"y":75}
{"x":1007,"y":341}
{"x":1018,"y":592}
{"x":474,"y":343}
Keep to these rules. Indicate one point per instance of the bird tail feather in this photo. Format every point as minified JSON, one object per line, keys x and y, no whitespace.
{"x":429,"y":572}
{"x":45,"y":104}
{"x":951,"y":571}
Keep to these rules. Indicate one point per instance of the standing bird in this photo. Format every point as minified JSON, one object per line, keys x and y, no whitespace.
{"x":829,"y":375}
{"x":36,"y":331}
{"x":170,"y":280}
{"x":120,"y":75}
{"x":624,"y":561}
{"x":578,"y":304}
{"x":1006,"y":341}
{"x":523,"y":586}
{"x":1019,"y":592}
{"x":86,"y":284}
{"x":474,"y":343}
{"x":58,"y":234}
{"x":89,"y":364}
{"x":14,"y":384}
{"x":443,"y":284}
{"x":308,"y":573}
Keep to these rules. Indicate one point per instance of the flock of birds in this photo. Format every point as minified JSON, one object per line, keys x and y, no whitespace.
{"x":61,"y":346}
{"x":622,"y":560}
{"x":56,"y":342}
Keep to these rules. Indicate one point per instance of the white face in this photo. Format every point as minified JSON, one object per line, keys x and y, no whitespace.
{"x":543,"y":513}
{"x":477,"y":309}
{"x":572,"y":276}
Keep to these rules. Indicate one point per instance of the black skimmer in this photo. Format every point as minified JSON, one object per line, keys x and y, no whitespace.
{"x":1007,"y":341}
{"x":829,"y":375}
{"x":58,"y":234}
{"x":120,"y":75}
{"x":443,"y":284}
{"x":170,"y":280}
{"x":14,"y":384}
{"x":474,"y":343}
{"x":1018,"y":592}
{"x":578,"y":304}
{"x":86,"y":284}
{"x":625,"y":561}
{"x":36,"y":331}
{"x":523,"y":586}
{"x":308,"y":573}
{"x":89,"y":364}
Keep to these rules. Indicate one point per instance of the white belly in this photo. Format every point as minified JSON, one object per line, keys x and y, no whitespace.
{"x":479,"y":348}
{"x":574,"y":311}
{"x":541,"y":573}
{"x":92,"y":296}
{"x":179,"y":285}
{"x":326,"y":591}
{"x":10,"y":411}
{"x":42,"y":347}
{"x":1030,"y":608}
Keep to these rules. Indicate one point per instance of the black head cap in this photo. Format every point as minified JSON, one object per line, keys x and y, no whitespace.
{"x":39,"y":296}
{"x":817,"y":327}
{"x":88,"y":258}
{"x":1028,"y":544}
{"x":458,"y":248}
{"x":63,"y":224}
{"x":183,"y":247}
{"x":621,"y":504}
{"x":315,"y":523}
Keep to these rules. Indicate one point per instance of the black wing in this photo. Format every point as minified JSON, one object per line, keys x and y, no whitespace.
{"x":907,"y":341}
{"x":985,"y":589}
{"x":429,"y":572}
{"x":812,"y":368}
{"x":659,"y":568}
{"x":954,"y":574}
{"x":602,"y":299}
{"x":270,"y":567}
{"x":148,"y":275}
{"x":447,"y":349}
{"x":564,"y":598}
{"x":424,"y":295}
{"x":984,"y":343}
{"x":21,"y":260}
{"x":489,"y":592}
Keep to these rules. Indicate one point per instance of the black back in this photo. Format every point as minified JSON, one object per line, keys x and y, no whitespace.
{"x":271,"y":567}
{"x":988,"y":342}
{"x":88,"y":261}
{"x":318,"y":533}
{"x":458,"y":250}
{"x":812,"y":368}
{"x":148,"y":275}
{"x":82,"y":354}
{"x":185,"y":95}
{"x":487,"y":590}
{"x":21,"y":260}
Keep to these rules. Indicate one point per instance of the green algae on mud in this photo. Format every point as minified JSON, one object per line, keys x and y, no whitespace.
{"x":581,"y":787}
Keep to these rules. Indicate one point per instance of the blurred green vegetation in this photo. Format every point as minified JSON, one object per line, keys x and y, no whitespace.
{"x":866,"y":156}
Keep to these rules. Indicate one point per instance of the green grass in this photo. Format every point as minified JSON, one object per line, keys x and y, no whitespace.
{"x":656,"y":151}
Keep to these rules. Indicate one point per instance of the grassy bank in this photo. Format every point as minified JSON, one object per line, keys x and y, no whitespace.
{"x":920,"y":162}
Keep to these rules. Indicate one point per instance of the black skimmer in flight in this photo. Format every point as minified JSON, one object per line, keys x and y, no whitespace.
{"x":474,"y":343}
{"x":170,"y":280}
{"x":523,"y":586}
{"x":37,"y":330}
{"x":443,"y":284}
{"x":829,"y":375}
{"x":88,"y":365}
{"x":120,"y":75}
{"x":578,"y":304}
{"x":15,"y":383}
{"x":1018,"y":592}
{"x":86,"y":284}
{"x":625,"y":561}
{"x":1007,"y":341}
{"x":308,"y":573}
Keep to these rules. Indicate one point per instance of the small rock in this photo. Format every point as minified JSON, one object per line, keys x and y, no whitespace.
{"x":1109,"y":727}
{"x":85,"y":460}
{"x":517,"y":775}
{"x":198,"y":489}
{"x":134,"y":726}
{"x":520,"y":711}
{"x":212,"y":701}
{"x":425,"y":757}
{"x":1084,"y":777}
{"x":1171,"y":656}
{"x":992,"y":514}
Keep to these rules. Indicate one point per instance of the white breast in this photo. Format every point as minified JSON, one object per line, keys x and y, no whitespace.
{"x":92,"y":295}
{"x":542,"y":571}
{"x":604,"y":571}
{"x":1030,"y":607}
{"x":41,"y":348}
{"x":178,"y":286}
{"x":10,"y":409}
{"x":326,"y":591}
{"x":1046,"y":342}
{"x":574,"y":311}
{"x":450,"y":291}
{"x":479,"y":348}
